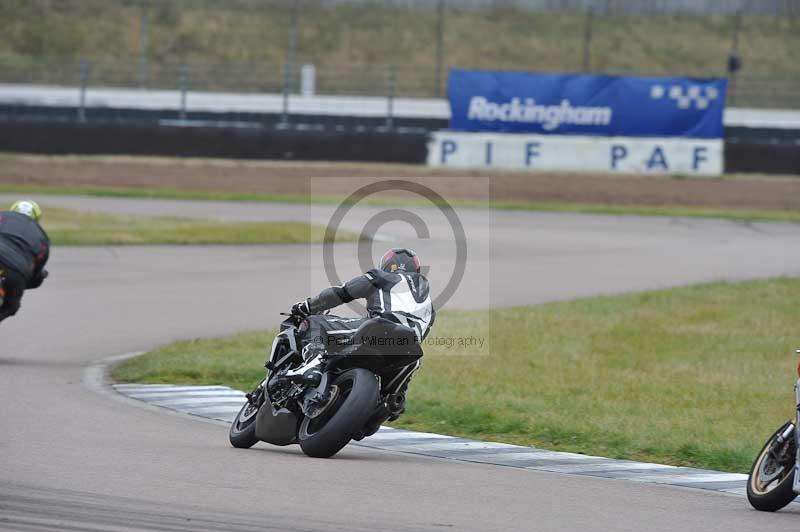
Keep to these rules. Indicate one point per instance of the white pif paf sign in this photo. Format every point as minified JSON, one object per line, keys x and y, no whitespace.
{"x":576,"y":153}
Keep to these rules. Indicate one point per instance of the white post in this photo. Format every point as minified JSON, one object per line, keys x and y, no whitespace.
{"x":308,"y":80}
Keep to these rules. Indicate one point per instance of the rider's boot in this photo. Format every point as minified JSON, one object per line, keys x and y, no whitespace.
{"x":313,"y":349}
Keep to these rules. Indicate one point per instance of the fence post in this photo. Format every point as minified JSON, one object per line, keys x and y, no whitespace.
{"x":308,"y":80}
{"x":289,"y":65}
{"x":390,"y":98}
{"x":587,"y":40}
{"x":734,"y":61}
{"x":84,"y":68}
{"x":439,"y":45}
{"x":184,"y":87}
{"x":144,"y":46}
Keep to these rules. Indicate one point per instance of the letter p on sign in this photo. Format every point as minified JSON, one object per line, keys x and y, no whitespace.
{"x":618,"y":152}
{"x":449,"y":147}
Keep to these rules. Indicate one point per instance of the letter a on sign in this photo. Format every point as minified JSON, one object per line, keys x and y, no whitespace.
{"x":657,"y":160}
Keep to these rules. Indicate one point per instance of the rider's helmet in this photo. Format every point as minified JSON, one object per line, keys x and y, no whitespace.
{"x":28,"y":208}
{"x":400,"y":259}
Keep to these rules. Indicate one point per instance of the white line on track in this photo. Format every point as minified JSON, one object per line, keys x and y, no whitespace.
{"x":222,"y":403}
{"x":189,"y":402}
{"x":151,"y":396}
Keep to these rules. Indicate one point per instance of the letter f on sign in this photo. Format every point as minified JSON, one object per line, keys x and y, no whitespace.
{"x":699,"y":157}
{"x":449,"y":147}
{"x":531,"y":151}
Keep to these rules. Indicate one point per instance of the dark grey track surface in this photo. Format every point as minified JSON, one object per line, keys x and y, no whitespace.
{"x":70,"y":457}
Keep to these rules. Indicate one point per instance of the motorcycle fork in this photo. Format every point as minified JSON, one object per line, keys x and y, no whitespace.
{"x":796,"y":484}
{"x":256,"y":397}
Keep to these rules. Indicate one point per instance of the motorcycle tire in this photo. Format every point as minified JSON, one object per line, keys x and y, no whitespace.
{"x":357,"y":394}
{"x":766,"y":498}
{"x":243,"y":428}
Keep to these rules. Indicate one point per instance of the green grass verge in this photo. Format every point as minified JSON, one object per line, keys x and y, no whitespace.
{"x":764,"y":215}
{"x":75,"y":228}
{"x":696,"y":376}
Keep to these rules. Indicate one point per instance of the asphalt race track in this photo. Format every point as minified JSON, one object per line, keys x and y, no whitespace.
{"x":72,"y":458}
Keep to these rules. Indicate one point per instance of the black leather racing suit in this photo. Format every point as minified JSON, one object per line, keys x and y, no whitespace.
{"x":401,"y":297}
{"x":24,"y":251}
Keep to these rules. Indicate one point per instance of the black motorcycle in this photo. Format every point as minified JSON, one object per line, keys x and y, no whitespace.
{"x":2,"y":286}
{"x":330,"y":396}
{"x":774,"y":479}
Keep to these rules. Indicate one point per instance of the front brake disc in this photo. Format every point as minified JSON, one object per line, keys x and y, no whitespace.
{"x":314,"y":409}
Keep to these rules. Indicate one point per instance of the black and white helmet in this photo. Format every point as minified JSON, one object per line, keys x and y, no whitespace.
{"x":400,"y":259}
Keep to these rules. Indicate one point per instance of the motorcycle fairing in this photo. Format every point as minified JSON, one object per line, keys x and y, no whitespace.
{"x":278,"y":427}
{"x":382,"y":345}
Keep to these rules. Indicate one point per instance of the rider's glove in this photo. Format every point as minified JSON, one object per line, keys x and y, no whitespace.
{"x":301,"y":309}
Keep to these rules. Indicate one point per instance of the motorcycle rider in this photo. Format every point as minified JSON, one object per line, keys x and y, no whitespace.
{"x":397,"y":291}
{"x":24,"y":250}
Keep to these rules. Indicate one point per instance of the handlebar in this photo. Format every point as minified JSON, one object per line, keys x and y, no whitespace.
{"x":296,"y":319}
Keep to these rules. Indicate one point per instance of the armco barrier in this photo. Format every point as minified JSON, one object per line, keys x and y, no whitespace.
{"x":211,"y":140}
{"x":118,"y":114}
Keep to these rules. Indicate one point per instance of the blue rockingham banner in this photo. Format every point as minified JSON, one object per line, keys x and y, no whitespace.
{"x":570,"y":104}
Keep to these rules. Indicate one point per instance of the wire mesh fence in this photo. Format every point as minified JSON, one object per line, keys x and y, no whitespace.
{"x":396,"y":48}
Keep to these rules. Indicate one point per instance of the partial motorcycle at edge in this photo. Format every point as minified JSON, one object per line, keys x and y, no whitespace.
{"x":774,"y":479}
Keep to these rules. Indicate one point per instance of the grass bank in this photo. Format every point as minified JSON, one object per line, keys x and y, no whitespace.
{"x":239,"y":44}
{"x":75,"y":228}
{"x":695,"y":376}
{"x":746,"y":215}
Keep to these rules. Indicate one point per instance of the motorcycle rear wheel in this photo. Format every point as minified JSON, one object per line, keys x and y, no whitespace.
{"x":357,"y":394}
{"x":769,"y":486}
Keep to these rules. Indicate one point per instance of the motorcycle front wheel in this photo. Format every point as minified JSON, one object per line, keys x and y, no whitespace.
{"x":243,"y":428}
{"x":356,"y":394}
{"x":769,"y":487}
